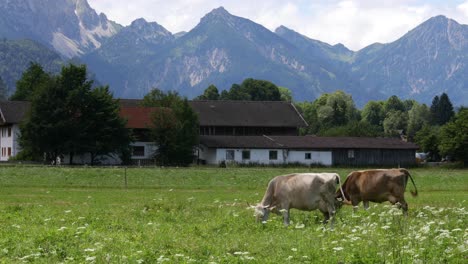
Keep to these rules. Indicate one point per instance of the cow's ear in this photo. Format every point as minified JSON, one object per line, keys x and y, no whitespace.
{"x":339,"y":199}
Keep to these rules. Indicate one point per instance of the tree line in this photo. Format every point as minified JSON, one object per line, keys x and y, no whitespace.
{"x":70,"y":115}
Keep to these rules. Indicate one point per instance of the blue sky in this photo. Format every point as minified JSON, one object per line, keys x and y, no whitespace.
{"x":355,"y":23}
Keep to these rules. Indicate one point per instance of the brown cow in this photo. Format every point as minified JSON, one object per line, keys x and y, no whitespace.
{"x":376,"y":186}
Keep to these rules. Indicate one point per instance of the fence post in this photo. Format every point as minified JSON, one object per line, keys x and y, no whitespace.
{"x":126,"y":185}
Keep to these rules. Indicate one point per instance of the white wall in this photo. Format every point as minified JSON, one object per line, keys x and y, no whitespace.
{"x":8,"y":142}
{"x":317,"y":157}
{"x":216,"y":156}
{"x":256,"y":156}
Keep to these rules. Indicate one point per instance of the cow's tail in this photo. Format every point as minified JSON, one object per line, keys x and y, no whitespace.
{"x":338,"y":180}
{"x":415,"y":192}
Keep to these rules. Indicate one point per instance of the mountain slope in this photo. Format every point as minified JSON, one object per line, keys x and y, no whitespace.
{"x":16,"y":56}
{"x":123,"y":57}
{"x":71,"y":27}
{"x":428,"y":60}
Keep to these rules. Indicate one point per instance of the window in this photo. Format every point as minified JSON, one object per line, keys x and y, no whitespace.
{"x":138,"y":151}
{"x":246,"y":154}
{"x":9,"y":132}
{"x":351,"y":154}
{"x":229,"y":154}
{"x":273,"y":155}
{"x":9,"y":152}
{"x":308,"y":156}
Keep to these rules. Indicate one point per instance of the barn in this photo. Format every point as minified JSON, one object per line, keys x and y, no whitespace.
{"x":307,"y":150}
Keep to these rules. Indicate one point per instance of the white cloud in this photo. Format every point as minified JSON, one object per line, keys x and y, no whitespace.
{"x":355,"y":23}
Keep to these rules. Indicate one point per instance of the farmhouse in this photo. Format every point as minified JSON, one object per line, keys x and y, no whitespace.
{"x":242,"y":132}
{"x":11,"y":113}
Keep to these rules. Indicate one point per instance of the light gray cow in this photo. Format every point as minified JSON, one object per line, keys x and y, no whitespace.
{"x":302,"y":191}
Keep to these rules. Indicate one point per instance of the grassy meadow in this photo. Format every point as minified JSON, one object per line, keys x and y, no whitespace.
{"x":201,"y":215}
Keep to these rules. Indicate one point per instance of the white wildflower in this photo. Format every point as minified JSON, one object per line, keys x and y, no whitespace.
{"x":68,"y":211}
{"x":90,"y":258}
{"x":294,"y":249}
{"x":299,"y":226}
{"x":241,"y":253}
{"x":338,"y":248}
{"x":62,"y":228}
{"x":90,"y":249}
{"x":385,"y":227}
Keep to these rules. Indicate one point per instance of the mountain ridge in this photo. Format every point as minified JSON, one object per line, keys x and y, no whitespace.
{"x":223,"y":49}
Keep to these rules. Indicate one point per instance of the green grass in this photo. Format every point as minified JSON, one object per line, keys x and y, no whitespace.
{"x":200,"y":215}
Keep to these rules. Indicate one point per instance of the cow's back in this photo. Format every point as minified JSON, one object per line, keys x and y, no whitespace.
{"x":376,"y":185}
{"x":304,"y":191}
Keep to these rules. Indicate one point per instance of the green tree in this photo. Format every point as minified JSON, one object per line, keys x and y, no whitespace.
{"x":32,"y":80}
{"x":210,"y":93}
{"x":454,"y":137}
{"x":441,"y":110}
{"x":418,"y":116}
{"x":158,"y":98}
{"x":338,"y":110}
{"x":352,"y":129}
{"x":374,"y":113}
{"x":174,"y":128}
{"x":395,"y":122}
{"x":394,"y":104}
{"x":286,"y":94}
{"x":106,"y":132}
{"x":3,"y":89}
{"x":308,"y":111}
{"x":236,"y":93}
{"x":260,"y":90}
{"x":427,"y":139}
{"x":254,"y":90}
{"x":67,"y":117}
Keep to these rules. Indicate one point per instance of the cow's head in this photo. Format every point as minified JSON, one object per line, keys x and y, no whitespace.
{"x":262,"y":211}
{"x":340,"y":199}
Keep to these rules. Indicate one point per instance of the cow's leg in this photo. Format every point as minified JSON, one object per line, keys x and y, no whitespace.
{"x":285,"y":216}
{"x":328,"y":211}
{"x":355,"y":202}
{"x":366,"y":204}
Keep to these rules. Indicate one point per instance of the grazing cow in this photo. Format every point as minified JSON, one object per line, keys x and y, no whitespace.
{"x":376,"y":186}
{"x":303,"y":191}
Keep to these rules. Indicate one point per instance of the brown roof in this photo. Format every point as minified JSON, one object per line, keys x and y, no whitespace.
{"x":247,"y":113}
{"x":138,"y":117}
{"x":13,"y":112}
{"x":305,"y":142}
{"x":238,"y":142}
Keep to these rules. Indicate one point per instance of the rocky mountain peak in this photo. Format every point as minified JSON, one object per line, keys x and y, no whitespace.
{"x":217,"y":15}
{"x":151,"y":31}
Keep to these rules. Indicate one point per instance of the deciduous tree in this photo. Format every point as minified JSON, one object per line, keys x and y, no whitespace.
{"x":174,"y":129}
{"x":454,"y":137}
{"x":32,"y":80}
